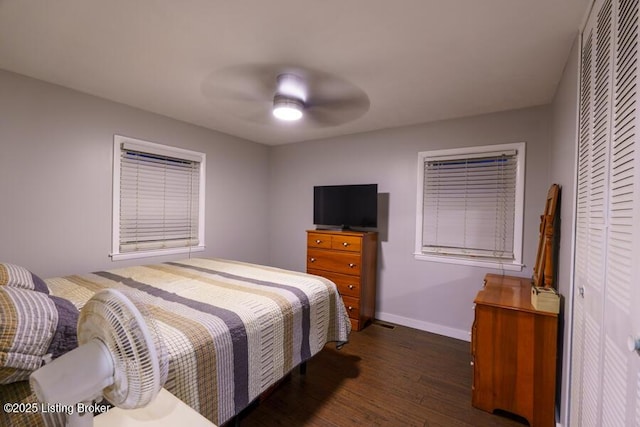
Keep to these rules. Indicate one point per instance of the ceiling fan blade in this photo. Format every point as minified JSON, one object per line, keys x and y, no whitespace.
{"x":213,"y":92}
{"x":332,"y":112}
{"x":321,"y":117}
{"x":250,"y":81}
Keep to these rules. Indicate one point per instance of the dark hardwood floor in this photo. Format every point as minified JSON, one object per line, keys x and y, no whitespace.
{"x":385,"y":376}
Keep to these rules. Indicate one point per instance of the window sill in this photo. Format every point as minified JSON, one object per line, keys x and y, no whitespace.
{"x":475,"y":262}
{"x":157,"y":252}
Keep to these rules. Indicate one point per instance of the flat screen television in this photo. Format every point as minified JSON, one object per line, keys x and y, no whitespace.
{"x":346,"y":206}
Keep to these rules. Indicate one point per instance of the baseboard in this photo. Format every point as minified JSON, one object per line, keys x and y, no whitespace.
{"x":435,"y":328}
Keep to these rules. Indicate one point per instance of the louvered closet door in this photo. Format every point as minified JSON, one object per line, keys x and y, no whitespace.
{"x":582,"y":220}
{"x":595,"y":130}
{"x":605,"y":383}
{"x":621,"y":368}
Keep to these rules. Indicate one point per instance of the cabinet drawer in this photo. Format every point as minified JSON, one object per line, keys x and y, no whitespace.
{"x":318,"y":240}
{"x":353,"y":307}
{"x":346,"y":243}
{"x":339,"y":262}
{"x":347,"y":285}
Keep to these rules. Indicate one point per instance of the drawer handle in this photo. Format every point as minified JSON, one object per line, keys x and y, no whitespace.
{"x":318,"y":241}
{"x":345,"y":244}
{"x":350,"y":308}
{"x":312,"y":259}
{"x":351,"y":265}
{"x":352,"y":287}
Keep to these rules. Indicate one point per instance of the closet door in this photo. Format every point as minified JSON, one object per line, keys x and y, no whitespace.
{"x":593,"y":161}
{"x":605,"y":382}
{"x":582,"y":220}
{"x":621,"y":367}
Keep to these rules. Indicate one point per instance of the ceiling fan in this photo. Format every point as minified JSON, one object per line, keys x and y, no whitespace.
{"x":268,"y":93}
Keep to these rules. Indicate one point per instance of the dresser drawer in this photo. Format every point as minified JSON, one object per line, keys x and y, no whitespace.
{"x":318,"y":240}
{"x":353,"y":307}
{"x":339,"y":262}
{"x":346,"y":243}
{"x":347,"y":285}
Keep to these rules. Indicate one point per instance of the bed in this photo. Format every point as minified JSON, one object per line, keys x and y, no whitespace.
{"x":232,"y":329}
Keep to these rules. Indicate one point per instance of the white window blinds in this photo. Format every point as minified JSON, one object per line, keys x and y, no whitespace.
{"x":159,"y":198}
{"x":470,"y":204}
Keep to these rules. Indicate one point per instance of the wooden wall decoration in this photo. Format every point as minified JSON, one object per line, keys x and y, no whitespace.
{"x":544,"y":269}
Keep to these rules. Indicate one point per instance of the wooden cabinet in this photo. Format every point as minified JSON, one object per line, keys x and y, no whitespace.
{"x":347,"y":258}
{"x":513,"y":347}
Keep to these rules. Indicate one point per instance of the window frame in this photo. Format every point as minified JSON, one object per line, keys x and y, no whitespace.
{"x":163,"y":150}
{"x":466,"y":153}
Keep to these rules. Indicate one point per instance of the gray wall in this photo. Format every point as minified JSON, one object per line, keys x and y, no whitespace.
{"x":562,"y":161}
{"x":55,"y":191}
{"x":56,"y":150}
{"x":55,"y":184}
{"x":426,"y":295}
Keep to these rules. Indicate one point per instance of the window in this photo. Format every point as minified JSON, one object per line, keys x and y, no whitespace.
{"x":158,"y":199}
{"x":470,"y":206}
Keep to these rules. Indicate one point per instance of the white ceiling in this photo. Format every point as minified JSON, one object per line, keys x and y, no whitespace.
{"x":417,"y":60}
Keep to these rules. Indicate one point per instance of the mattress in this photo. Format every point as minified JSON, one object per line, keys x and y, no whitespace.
{"x":232,"y":329}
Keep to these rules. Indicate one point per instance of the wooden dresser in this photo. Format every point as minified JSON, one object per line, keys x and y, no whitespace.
{"x":347,"y":258}
{"x":513,"y":347}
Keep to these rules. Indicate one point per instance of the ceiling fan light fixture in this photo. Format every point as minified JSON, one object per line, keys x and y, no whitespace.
{"x":288,"y":109}
{"x":291,"y":86}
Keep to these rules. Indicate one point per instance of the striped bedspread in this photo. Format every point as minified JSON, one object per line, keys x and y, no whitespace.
{"x":232,"y":329}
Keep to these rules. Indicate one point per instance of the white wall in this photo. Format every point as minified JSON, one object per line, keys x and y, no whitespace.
{"x":562,"y":161}
{"x":56,"y":150}
{"x":426,"y":295}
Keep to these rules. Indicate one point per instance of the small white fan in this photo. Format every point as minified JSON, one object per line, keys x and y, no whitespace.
{"x":120,"y":356}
